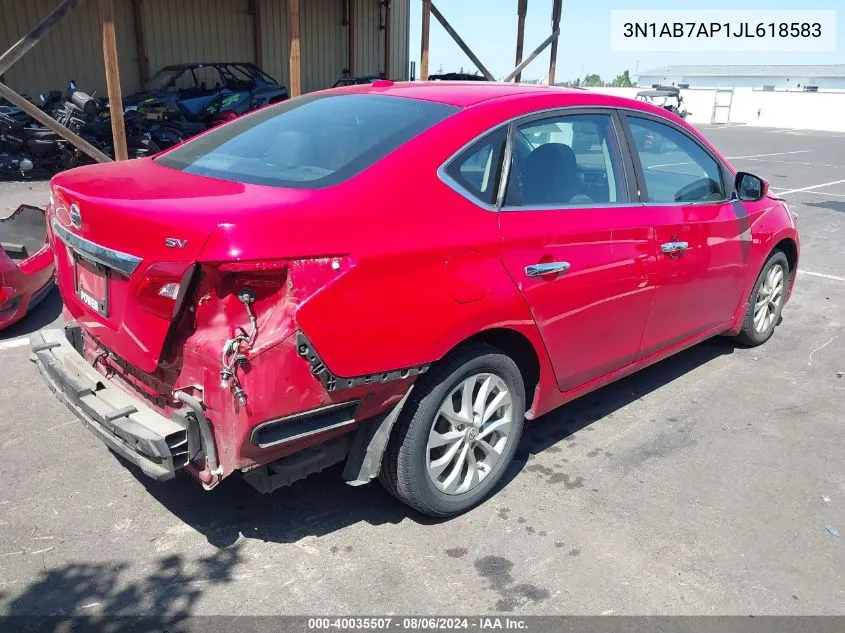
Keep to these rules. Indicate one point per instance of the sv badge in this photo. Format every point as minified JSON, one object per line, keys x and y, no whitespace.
{"x":172,"y":242}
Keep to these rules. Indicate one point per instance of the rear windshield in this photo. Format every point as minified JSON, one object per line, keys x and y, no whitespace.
{"x":307,"y":143}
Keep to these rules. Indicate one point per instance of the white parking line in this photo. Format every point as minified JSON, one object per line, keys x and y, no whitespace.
{"x":824,"y":184}
{"x":15,"y":342}
{"x":826,"y":194}
{"x":795,"y":162}
{"x":822,"y":275}
{"x":799,"y":151}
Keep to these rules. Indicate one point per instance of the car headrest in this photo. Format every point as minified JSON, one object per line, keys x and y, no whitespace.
{"x":549,"y":174}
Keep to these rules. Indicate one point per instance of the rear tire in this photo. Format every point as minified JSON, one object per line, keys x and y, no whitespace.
{"x":766,"y":302}
{"x":429,"y":460}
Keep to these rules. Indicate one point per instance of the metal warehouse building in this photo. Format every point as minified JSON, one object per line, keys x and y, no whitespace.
{"x":335,"y":36}
{"x":806,"y":78}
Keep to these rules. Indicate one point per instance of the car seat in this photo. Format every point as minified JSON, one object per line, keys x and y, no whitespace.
{"x":549,"y":175}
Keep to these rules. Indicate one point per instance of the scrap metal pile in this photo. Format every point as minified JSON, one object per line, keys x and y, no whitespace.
{"x":179,"y":102}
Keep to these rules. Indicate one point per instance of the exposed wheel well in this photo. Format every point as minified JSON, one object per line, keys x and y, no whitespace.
{"x":790,"y":249}
{"x":519,"y":348}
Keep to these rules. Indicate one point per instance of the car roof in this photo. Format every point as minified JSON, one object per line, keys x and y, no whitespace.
{"x":465,"y":94}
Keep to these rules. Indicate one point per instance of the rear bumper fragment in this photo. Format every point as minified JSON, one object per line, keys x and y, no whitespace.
{"x":157,"y":445}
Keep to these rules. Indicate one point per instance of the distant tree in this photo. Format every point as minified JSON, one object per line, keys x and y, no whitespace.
{"x":623,"y":80}
{"x":593,"y":81}
{"x":440,"y":70}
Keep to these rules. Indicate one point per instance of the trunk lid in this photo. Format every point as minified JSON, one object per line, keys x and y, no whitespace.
{"x":129,"y":222}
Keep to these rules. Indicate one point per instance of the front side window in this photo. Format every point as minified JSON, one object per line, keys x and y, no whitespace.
{"x":478,"y":168}
{"x":564,"y":161}
{"x":307,"y":143}
{"x":676,"y":168}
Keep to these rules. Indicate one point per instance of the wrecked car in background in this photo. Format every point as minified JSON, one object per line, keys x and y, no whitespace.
{"x":202,"y":90}
{"x":26,"y":264}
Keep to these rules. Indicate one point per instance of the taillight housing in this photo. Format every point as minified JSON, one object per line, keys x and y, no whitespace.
{"x":161,"y":287}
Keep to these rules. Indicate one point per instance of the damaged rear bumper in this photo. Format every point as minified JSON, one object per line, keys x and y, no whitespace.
{"x":27,"y":266}
{"x":159,"y":446}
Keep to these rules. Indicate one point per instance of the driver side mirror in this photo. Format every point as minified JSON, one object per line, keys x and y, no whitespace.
{"x":750,"y":188}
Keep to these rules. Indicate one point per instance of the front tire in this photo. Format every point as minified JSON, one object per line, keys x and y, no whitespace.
{"x":766,"y":302}
{"x":457,"y":434}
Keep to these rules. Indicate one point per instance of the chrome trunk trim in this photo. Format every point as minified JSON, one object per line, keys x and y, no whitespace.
{"x":116,"y":260}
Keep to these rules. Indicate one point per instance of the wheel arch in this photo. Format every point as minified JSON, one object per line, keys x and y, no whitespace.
{"x":785,"y":241}
{"x":532,"y":363}
{"x":789,"y":247}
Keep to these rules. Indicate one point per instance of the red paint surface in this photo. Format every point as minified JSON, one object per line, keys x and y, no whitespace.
{"x":393,"y":269}
{"x":23,"y":280}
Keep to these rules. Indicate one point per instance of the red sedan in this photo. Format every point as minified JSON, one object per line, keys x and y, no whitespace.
{"x":396,"y":276}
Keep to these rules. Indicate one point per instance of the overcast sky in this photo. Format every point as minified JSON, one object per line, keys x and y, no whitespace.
{"x":489,"y":27}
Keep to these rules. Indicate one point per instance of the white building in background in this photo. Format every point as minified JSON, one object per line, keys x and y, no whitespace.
{"x":798,"y":78}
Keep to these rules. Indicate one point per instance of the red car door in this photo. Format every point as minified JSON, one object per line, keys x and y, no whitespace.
{"x":580,"y":252}
{"x":703,"y":237}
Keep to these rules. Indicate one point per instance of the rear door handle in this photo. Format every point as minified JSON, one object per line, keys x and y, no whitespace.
{"x":546,"y":268}
{"x":672,"y":248}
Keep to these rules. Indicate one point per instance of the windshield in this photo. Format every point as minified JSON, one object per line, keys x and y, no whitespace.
{"x":162,"y":78}
{"x":307,"y":143}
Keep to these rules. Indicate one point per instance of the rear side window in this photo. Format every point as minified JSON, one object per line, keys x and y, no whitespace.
{"x":568,"y":160}
{"x":477,"y":169}
{"x":307,"y":143}
{"x":676,"y":168}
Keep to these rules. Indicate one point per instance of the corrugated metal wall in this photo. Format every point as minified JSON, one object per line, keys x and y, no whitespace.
{"x":369,"y":58}
{"x":275,"y":39}
{"x":400,"y":16}
{"x":183,"y":31}
{"x":369,"y":41}
{"x":323,"y":43}
{"x":201,"y":30}
{"x":72,"y":50}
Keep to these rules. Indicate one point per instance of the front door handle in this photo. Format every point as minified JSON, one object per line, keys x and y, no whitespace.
{"x":546,"y":268}
{"x":674,"y":248}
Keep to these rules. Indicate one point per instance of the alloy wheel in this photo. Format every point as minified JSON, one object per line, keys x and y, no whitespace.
{"x":469,"y":433}
{"x":769,"y":298}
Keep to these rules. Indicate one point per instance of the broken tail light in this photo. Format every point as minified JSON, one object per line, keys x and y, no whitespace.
{"x":160,"y":287}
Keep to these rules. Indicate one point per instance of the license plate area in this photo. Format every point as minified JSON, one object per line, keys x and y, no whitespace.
{"x":92,"y":284}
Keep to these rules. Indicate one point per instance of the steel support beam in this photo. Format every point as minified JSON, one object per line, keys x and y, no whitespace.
{"x":551,"y":38}
{"x":463,"y":46}
{"x":520,"y":34}
{"x":557,"y":9}
{"x":118,"y":128}
{"x":424,"y":38}
{"x":295,"y":59}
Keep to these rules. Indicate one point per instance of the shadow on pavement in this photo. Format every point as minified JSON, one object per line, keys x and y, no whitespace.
{"x":316,"y":506}
{"x":73,"y":593}
{"x":831,"y":205}
{"x":323,"y":503}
